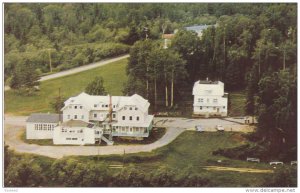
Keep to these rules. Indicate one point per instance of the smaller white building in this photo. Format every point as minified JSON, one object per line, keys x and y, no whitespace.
{"x":41,"y":125}
{"x":209,"y":98}
{"x":76,"y":132}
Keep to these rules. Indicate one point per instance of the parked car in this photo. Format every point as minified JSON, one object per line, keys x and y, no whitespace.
{"x":220,"y":128}
{"x":199,"y":128}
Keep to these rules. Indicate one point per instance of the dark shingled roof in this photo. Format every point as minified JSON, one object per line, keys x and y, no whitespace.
{"x":44,"y":118}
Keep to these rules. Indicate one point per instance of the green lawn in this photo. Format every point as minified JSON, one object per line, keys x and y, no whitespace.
{"x":238,"y":102}
{"x":113,"y":74}
{"x":192,"y":151}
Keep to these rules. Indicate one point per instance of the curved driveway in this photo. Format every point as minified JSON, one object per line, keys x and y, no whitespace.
{"x":15,"y":126}
{"x":12,"y":138}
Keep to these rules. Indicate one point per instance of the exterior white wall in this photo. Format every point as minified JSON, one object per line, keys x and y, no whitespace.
{"x":73,"y":135}
{"x":134,"y":114}
{"x":70,"y":112}
{"x":209,"y":100}
{"x":39,"y":130}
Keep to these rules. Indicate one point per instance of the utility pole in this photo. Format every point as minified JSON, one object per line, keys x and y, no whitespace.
{"x":49,"y":51}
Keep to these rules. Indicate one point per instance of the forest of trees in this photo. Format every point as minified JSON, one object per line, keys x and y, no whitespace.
{"x":252,"y":51}
{"x":252,"y":47}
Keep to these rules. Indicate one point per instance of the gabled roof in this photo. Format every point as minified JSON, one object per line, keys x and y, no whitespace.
{"x":168,"y":36}
{"x":88,"y":101}
{"x":44,"y":118}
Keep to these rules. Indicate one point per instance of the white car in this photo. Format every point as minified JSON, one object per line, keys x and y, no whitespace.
{"x":199,"y":128}
{"x":220,"y":128}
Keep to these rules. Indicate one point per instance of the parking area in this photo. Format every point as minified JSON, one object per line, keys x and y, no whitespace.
{"x":207,"y":124}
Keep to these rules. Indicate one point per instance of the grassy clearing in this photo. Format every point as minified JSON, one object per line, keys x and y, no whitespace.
{"x":238,"y":102}
{"x":193,"y":151}
{"x":113,"y":74}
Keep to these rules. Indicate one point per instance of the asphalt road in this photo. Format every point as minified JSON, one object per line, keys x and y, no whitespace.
{"x":79,"y":69}
{"x":15,"y":126}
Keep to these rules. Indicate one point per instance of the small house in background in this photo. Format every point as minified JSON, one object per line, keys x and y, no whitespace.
{"x":209,"y":99}
{"x":167,"y":39}
{"x":198,"y":29}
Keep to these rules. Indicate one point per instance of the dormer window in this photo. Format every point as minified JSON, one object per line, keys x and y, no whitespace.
{"x":80,"y":107}
{"x":114,"y":106}
{"x":130,"y":108}
{"x":95,"y":105}
{"x":75,"y":107}
{"x":136,"y":108}
{"x":102,"y":105}
{"x":106,"y":105}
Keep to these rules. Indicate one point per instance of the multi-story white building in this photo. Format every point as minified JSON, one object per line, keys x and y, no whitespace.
{"x":209,"y":98}
{"x":87,"y":118}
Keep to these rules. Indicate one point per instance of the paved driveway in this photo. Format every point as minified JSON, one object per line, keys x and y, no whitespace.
{"x":15,"y":126}
{"x":12,"y":138}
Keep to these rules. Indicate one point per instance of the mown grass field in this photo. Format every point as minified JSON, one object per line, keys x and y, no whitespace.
{"x":113,"y":74}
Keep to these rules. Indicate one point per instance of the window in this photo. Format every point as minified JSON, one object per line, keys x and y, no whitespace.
{"x":130,"y":118}
{"x":106,"y":105}
{"x":123,"y":118}
{"x":137,"y":118}
{"x":224,"y":107}
{"x":200,"y":107}
{"x":136,"y":108}
{"x":80,"y":107}
{"x":95,"y":115}
{"x":75,"y":116}
{"x":215,"y":100}
{"x":82,"y":116}
{"x":68,"y":138}
{"x":200,"y":100}
{"x":70,"y":107}
{"x":114,"y":106}
{"x":208,"y":100}
{"x":102,"y":105}
{"x":75,"y":107}
{"x":130,"y":108}
{"x":130,"y":129}
{"x":114,"y":115}
{"x":68,"y":116}
{"x":95,"y":105}
{"x":74,"y":138}
{"x":125,"y":108}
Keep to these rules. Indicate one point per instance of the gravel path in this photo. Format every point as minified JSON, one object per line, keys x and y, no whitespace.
{"x":79,"y":69}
